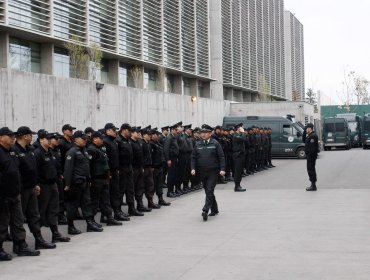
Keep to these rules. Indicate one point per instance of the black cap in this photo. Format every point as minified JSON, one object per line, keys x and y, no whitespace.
{"x":44,"y":134}
{"x":79,"y":134}
{"x":24,"y":130}
{"x":218,"y":127}
{"x":196,"y":129}
{"x":68,"y":127}
{"x":310,"y":125}
{"x":55,"y":135}
{"x":136,"y":128}
{"x":165,"y":128}
{"x":125,"y":126}
{"x":149,"y":127}
{"x":6,"y":131}
{"x":89,"y":130}
{"x":96,"y":134}
{"x":179,"y":124}
{"x":187,"y":126}
{"x":206,"y":128}
{"x":145,"y":131}
{"x":110,"y":126}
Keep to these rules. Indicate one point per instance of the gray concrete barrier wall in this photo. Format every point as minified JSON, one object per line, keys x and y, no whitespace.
{"x":43,"y":101}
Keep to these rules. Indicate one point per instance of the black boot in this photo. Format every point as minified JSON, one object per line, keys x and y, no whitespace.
{"x":205,"y":216}
{"x":152,"y":205}
{"x":113,"y":222}
{"x":142,"y":208}
{"x":4,"y":256}
{"x":133,"y":212}
{"x":57,"y":236}
{"x":92,"y":227}
{"x":312,"y":188}
{"x":103,"y":219}
{"x":171,"y":195}
{"x":119,"y":216}
{"x":72,"y":229}
{"x":40,"y":242}
{"x":238,"y":188}
{"x":162,"y":202}
{"x":22,"y":249}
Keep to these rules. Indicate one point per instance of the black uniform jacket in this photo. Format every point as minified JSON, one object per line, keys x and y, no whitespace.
{"x":10,"y":177}
{"x":312,"y":146}
{"x":77,"y":166}
{"x":208,"y":156}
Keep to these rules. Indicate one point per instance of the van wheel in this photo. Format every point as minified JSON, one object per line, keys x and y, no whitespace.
{"x":325,"y":148}
{"x":301,"y":154}
{"x":364,"y":147}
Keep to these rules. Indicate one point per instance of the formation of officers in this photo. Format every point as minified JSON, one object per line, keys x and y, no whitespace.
{"x":51,"y":181}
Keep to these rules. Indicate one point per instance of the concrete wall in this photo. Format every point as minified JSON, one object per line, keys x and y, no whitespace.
{"x":299,"y":109}
{"x":43,"y":101}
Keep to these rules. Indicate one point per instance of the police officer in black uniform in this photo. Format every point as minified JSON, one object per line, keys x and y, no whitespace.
{"x":238,"y":156}
{"x":99,"y":169}
{"x":269,"y":157}
{"x":158,"y":160}
{"x":162,"y":138}
{"x":77,"y":184}
{"x":187,"y":136}
{"x":47,"y":169}
{"x":30,"y":185}
{"x":171,"y":154}
{"x":10,"y":199}
{"x":111,"y":145}
{"x":311,"y":149}
{"x":126,"y":176}
{"x":209,"y":161}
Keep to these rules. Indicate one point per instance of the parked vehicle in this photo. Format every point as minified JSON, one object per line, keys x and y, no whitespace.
{"x":366,"y":131}
{"x":355,"y":125}
{"x":286,"y":135}
{"x":336,"y":133}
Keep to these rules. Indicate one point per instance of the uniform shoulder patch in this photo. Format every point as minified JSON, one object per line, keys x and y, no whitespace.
{"x":68,"y":158}
{"x":312,"y":140}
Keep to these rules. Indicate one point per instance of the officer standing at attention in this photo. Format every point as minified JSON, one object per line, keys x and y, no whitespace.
{"x":30,"y":185}
{"x":171,"y":154}
{"x":238,"y":156}
{"x":47,"y":169}
{"x":209,"y":161}
{"x":77,"y":184}
{"x":311,"y":149}
{"x":10,"y":199}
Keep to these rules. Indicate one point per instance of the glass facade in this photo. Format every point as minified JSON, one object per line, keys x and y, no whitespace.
{"x":187,"y":86}
{"x":150,"y":79}
{"x":24,"y":55}
{"x":61,"y":63}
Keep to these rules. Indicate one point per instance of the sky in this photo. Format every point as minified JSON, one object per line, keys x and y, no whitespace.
{"x":337,"y":41}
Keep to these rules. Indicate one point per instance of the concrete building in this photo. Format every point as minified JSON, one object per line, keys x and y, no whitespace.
{"x":294,"y":58}
{"x":247,"y":49}
{"x":167,"y":39}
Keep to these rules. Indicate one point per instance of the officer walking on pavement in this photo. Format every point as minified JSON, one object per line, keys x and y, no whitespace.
{"x":311,"y":149}
{"x":10,"y":199}
{"x":209,"y":161}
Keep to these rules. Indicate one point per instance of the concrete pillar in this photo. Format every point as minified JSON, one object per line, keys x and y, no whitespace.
{"x":216,"y":87}
{"x":193,"y":87}
{"x":47,"y":58}
{"x":4,"y":50}
{"x":113,"y":71}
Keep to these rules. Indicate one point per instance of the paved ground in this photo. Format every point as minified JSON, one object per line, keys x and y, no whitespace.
{"x":275,"y":230}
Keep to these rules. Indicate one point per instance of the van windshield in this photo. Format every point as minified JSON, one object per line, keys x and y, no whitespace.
{"x":329,"y":127}
{"x":339,"y":127}
{"x":352,"y":126}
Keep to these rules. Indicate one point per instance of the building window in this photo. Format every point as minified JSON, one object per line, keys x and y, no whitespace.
{"x":187,"y":87}
{"x":123,"y":75}
{"x":150,"y":79}
{"x":201,"y":91}
{"x":170,"y":85}
{"x":61,"y":63}
{"x":25,"y":55}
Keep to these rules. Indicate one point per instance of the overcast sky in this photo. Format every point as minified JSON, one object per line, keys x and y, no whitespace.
{"x":337,"y":39}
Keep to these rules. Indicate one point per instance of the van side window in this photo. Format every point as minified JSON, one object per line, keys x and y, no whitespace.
{"x":287,"y":129}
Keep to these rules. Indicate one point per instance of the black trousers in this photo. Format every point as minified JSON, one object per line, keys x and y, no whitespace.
{"x":181,"y":170}
{"x":311,"y":169}
{"x":165,"y":171}
{"x":247,"y":161}
{"x":269,"y":155}
{"x":79,"y":196}
{"x":114,"y":191}
{"x":11,"y":216}
{"x":126,"y":185}
{"x":173,"y":174}
{"x":158,"y":181}
{"x":49,"y":204}
{"x":100,"y":197}
{"x":252,"y":156}
{"x":148,"y":184}
{"x":62,"y":207}
{"x":187,"y":170}
{"x":239,"y":166}
{"x":209,"y":180}
{"x":30,"y":209}
{"x":138,"y":183}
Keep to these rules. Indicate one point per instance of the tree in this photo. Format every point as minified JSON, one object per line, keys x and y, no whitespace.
{"x":264,"y":89}
{"x":95,"y":56}
{"x":355,"y":89}
{"x":78,"y":58}
{"x":137,"y":76}
{"x":362,"y":95}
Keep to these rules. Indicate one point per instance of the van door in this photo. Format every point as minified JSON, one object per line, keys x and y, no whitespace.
{"x":288,"y":139}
